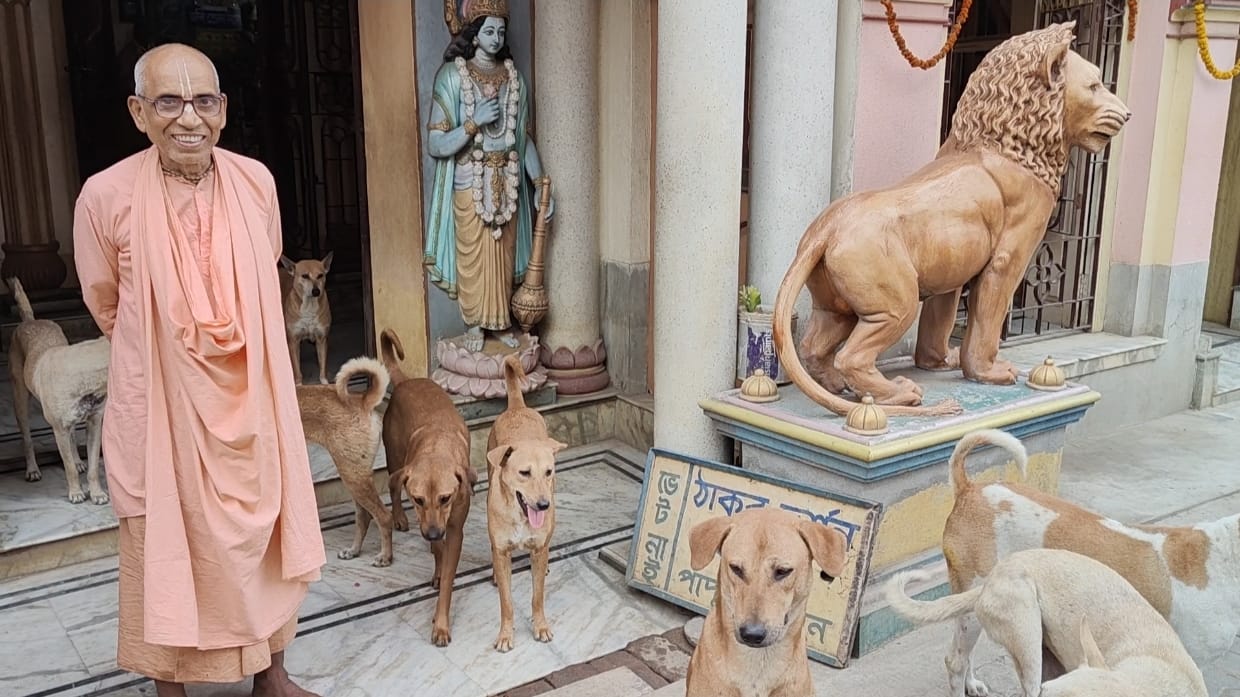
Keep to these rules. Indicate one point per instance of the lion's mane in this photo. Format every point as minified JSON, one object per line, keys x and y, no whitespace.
{"x":1007,"y":108}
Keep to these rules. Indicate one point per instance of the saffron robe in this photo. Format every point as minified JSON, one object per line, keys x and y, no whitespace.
{"x":202,"y":433}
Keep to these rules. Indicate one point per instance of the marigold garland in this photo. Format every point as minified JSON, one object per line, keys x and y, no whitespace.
{"x":947,"y":47}
{"x":1203,"y":46}
{"x":1132,"y":19}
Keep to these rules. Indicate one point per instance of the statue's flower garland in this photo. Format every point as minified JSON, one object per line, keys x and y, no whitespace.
{"x":504,"y":199}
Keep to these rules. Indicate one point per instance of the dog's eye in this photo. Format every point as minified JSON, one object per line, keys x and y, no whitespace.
{"x":782,"y":572}
{"x":419,"y":501}
{"x":524,"y":473}
{"x":736,"y":569}
{"x":305,"y":275}
{"x":548,"y":473}
{"x":443,"y":500}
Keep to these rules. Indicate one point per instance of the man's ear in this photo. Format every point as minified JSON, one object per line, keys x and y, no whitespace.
{"x":827,"y":546}
{"x":706,"y":538}
{"x":498,"y":455}
{"x":135,"y":111}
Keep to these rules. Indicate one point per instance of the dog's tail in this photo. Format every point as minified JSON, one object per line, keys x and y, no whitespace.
{"x":514,"y":374}
{"x":23,"y":302}
{"x":956,"y":472}
{"x":374,"y":370}
{"x":393,"y":353}
{"x":927,"y":611}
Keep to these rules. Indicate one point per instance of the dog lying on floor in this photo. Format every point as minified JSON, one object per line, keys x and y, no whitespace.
{"x":520,"y":501}
{"x":753,"y":640}
{"x":427,"y":445}
{"x":348,"y":426}
{"x":1082,"y":611}
{"x":307,"y":312}
{"x":71,"y":383}
{"x":1190,"y":575}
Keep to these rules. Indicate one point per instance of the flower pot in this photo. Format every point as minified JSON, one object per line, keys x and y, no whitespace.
{"x":755,"y":344}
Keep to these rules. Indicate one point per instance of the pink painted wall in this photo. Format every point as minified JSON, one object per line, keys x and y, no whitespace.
{"x":1203,"y":159}
{"x":1136,"y":156}
{"x":898,"y":106}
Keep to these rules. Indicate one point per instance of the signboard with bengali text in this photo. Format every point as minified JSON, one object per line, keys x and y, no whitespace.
{"x":679,"y":492}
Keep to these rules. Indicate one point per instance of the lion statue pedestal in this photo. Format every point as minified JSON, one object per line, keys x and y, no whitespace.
{"x":974,"y":215}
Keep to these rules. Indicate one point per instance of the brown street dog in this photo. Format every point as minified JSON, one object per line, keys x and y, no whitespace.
{"x":71,"y":383}
{"x":427,"y":446}
{"x":348,"y":426}
{"x":307,"y":313}
{"x":1189,"y":575}
{"x":753,"y":640}
{"x":521,"y":500}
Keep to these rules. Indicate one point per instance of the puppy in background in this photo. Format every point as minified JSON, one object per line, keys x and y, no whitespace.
{"x":307,"y":313}
{"x":71,"y":383}
{"x":521,"y":500}
{"x":348,"y":426}
{"x":753,"y":641}
{"x":427,"y":446}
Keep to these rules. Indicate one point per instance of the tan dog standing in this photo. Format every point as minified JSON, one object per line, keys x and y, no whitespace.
{"x":348,"y":426}
{"x":1083,"y":612}
{"x":307,"y":313}
{"x":521,"y":500}
{"x":1190,"y":575}
{"x":427,"y":446}
{"x":71,"y":383}
{"x":753,"y":640}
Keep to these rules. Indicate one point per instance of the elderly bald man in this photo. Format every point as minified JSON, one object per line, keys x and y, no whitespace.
{"x":176,"y":248}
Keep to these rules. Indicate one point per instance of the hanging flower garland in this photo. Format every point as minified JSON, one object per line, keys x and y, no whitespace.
{"x":1203,"y":46}
{"x":504,"y":196}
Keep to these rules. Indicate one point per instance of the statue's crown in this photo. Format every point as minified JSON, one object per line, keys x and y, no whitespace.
{"x":485,"y":8}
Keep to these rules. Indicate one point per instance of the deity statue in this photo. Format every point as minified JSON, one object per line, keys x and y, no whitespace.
{"x":487,"y":173}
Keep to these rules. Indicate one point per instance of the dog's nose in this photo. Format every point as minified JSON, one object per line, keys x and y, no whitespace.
{"x":316,"y":292}
{"x":542,"y":504}
{"x":752,"y":634}
{"x":433,"y":534}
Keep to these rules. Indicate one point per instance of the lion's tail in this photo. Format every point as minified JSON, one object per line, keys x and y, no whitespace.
{"x":808,"y":255}
{"x":956,"y":472}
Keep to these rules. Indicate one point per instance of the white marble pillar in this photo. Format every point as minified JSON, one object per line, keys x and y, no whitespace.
{"x":31,"y":251}
{"x":791,"y":113}
{"x":566,"y":100}
{"x":699,"y":110}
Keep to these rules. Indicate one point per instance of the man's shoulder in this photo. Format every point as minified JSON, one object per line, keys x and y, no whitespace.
{"x":253,"y":170}
{"x":115,"y":181}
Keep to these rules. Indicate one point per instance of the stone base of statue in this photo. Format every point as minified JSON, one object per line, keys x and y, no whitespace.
{"x":480,"y":374}
{"x":577,"y":372}
{"x":904,"y":466}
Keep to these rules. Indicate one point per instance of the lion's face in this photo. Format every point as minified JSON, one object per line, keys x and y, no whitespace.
{"x":1092,"y":113}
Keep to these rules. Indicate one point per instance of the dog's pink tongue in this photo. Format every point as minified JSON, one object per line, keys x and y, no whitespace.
{"x":536,"y":517}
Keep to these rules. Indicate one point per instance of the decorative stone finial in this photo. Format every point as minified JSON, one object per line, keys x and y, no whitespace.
{"x":1048,"y":377}
{"x":759,"y":387}
{"x":866,"y":419}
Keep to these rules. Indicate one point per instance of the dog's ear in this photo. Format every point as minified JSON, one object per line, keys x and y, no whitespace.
{"x":399,"y":478}
{"x":706,"y":538}
{"x":498,"y":455}
{"x":327,"y":261}
{"x":287,"y":264}
{"x":1091,"y":654}
{"x":466,"y":474}
{"x":827,"y":546}
{"x":555,"y":445}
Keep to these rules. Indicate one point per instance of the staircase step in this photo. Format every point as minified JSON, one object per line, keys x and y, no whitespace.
{"x":617,"y":682}
{"x":676,"y":689}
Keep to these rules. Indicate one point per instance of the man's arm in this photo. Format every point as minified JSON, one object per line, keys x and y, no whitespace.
{"x":95,"y":256}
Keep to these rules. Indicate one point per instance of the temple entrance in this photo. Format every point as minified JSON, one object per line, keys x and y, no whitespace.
{"x":1057,"y":295}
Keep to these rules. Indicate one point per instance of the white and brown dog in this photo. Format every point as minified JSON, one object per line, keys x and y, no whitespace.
{"x":71,"y":383}
{"x":1077,"y":609}
{"x":307,"y":313}
{"x":1190,"y":575}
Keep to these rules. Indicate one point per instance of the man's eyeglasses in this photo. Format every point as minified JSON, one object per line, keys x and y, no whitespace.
{"x":171,"y":107}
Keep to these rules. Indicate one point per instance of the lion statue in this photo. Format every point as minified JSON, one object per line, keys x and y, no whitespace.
{"x":974,"y":215}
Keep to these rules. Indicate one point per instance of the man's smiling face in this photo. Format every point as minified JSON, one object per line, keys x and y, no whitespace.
{"x":185,"y":139}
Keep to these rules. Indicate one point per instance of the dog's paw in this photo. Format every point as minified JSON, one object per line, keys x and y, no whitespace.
{"x":976,"y":688}
{"x":441,"y":636}
{"x":77,"y":496}
{"x":33,"y":475}
{"x":382,"y":560}
{"x":503,"y":643}
{"x":543,"y":632}
{"x":347,"y":554}
{"x":99,"y":498}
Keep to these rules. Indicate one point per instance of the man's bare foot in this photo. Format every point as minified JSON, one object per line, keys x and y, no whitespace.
{"x":275,"y":682}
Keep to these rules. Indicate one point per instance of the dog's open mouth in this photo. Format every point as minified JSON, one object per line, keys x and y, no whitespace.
{"x":532,"y":514}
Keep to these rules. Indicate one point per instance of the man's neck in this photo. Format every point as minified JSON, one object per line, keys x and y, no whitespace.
{"x":192,"y":173}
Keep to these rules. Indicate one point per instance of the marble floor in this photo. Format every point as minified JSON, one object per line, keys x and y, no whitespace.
{"x":364,"y":630}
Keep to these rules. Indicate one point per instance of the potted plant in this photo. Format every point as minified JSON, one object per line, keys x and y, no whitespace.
{"x":755,"y":339}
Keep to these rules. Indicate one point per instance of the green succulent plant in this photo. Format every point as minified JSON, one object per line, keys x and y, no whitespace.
{"x":750,"y":298}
